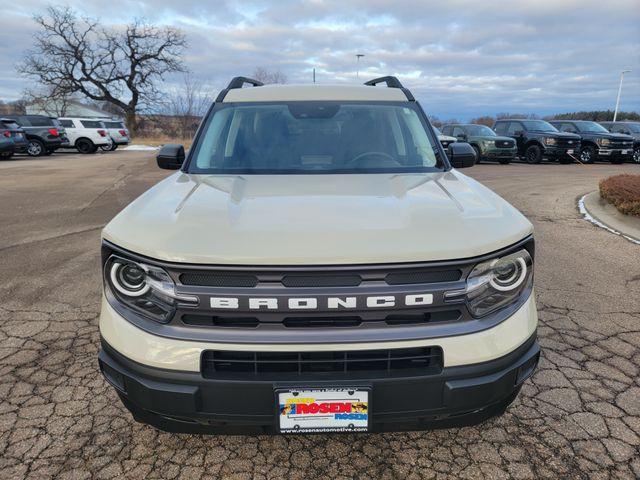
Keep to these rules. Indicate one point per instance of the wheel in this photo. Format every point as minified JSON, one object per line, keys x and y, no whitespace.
{"x":505,"y":161}
{"x":587,"y":154}
{"x":533,"y":154}
{"x":636,"y":155}
{"x":84,"y":145}
{"x":478,"y":157}
{"x":109,"y":148}
{"x":35,"y":148}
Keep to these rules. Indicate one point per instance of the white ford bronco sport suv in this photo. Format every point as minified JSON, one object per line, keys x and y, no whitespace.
{"x":317,"y":263}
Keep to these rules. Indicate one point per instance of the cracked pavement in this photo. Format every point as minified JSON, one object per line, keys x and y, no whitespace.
{"x":579,"y":417}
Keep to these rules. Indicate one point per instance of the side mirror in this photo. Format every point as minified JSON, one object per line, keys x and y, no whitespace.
{"x":171,"y":156}
{"x":462,"y":155}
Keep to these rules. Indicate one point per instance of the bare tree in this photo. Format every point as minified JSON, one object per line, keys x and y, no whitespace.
{"x":486,"y":120}
{"x":269,"y":76}
{"x":188,"y":104}
{"x":118,"y":66}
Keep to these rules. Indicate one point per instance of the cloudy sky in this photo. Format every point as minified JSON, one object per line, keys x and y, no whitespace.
{"x":461,"y":58}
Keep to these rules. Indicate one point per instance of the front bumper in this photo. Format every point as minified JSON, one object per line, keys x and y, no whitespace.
{"x":159,"y":379}
{"x":185,"y":402}
{"x":608,"y":153}
{"x":561,"y":152}
{"x":500,"y":153}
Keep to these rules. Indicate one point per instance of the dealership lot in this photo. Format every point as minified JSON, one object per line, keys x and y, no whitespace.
{"x":580,"y":416}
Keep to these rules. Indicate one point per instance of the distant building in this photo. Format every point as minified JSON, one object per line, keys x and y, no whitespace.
{"x":67,"y":108}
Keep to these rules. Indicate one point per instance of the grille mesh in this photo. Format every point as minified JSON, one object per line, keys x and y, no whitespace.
{"x":402,"y":361}
{"x":218,"y":279}
{"x":423,"y":276}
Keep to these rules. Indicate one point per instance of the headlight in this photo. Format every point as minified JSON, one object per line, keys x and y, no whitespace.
{"x":550,"y":141}
{"x":498,"y":282}
{"x":146,"y":289}
{"x":604,"y":141}
{"x":487,"y":143}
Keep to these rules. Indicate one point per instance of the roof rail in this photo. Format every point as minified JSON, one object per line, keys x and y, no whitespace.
{"x":237,"y":82}
{"x":392,"y":82}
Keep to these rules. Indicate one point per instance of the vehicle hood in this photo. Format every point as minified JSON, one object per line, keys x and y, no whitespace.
{"x":317,"y":219}
{"x":492,"y":138}
{"x":447,"y":138}
{"x":620,"y":137}
{"x":567,"y":135}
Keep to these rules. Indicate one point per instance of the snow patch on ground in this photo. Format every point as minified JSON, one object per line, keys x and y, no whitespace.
{"x":587,"y":216}
{"x":140,"y":148}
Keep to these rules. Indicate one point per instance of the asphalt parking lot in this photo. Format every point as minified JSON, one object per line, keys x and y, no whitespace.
{"x":578,"y":418}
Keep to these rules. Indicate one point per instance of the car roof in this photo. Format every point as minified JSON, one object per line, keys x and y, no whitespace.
{"x":314,"y":92}
{"x":83,"y":119}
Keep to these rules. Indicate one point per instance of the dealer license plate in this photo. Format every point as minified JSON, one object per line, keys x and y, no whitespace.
{"x":570,"y":151}
{"x":323,"y":410}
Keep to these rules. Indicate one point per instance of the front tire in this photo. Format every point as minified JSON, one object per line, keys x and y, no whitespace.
{"x":533,"y":154}
{"x":478,"y":156}
{"x":587,"y":154}
{"x":86,"y":146}
{"x":35,"y":148}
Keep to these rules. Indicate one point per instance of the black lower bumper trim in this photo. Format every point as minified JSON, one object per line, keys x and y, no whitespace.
{"x":185,"y":402}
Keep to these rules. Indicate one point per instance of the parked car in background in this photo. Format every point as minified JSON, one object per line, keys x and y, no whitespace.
{"x":627,"y":128}
{"x":536,"y":139}
{"x":43,"y":137}
{"x":86,"y":134}
{"x":485,"y":142}
{"x":118,"y":133}
{"x":445,"y":140}
{"x":63,"y":133}
{"x":7,"y":147}
{"x":10,"y":130}
{"x":597,"y":142}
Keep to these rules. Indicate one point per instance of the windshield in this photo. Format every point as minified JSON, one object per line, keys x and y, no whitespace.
{"x":634,"y":127}
{"x":591,"y":127}
{"x":315,"y":137}
{"x":480,"y":130}
{"x":539,"y":125}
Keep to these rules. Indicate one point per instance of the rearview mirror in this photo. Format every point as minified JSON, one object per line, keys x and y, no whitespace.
{"x":462,"y":155}
{"x":171,"y":156}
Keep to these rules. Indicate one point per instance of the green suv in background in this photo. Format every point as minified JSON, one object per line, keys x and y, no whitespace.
{"x":485,"y":142}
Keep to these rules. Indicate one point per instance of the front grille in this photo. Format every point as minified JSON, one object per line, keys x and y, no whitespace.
{"x":324,"y":321}
{"x":317,"y":279}
{"x":399,"y":362}
{"x":504,"y":144}
{"x":567,"y":143}
{"x":621,"y":143}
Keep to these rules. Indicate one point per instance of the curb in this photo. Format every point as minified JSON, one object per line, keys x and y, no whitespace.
{"x":604,"y":215}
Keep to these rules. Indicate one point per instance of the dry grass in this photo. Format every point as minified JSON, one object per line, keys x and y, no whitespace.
{"x":622,"y":191}
{"x":159,"y":140}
